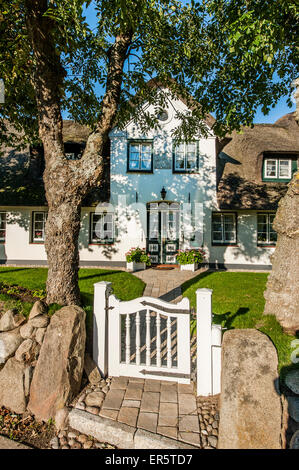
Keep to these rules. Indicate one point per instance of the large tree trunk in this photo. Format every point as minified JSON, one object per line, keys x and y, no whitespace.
{"x":282,"y":293}
{"x":67,"y":182}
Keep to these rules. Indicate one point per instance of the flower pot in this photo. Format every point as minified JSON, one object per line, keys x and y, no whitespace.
{"x":189,"y":267}
{"x":135,"y":266}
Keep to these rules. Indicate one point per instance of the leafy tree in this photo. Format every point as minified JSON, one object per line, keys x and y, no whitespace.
{"x":222,"y":55}
{"x":258,"y":40}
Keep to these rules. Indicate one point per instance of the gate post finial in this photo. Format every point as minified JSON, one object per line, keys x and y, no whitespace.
{"x":102,"y":290}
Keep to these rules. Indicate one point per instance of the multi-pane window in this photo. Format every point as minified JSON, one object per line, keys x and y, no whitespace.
{"x":140,"y":156}
{"x":185,"y":157}
{"x":38,"y":226}
{"x":224,"y":228}
{"x":265,"y":233}
{"x":102,"y":227}
{"x":275,"y":168}
{"x":2,"y":226}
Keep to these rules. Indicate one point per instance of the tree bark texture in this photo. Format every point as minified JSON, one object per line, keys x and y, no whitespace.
{"x":282,"y":293}
{"x":67,"y":182}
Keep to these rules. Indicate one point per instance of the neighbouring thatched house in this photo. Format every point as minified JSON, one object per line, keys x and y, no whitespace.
{"x":218,"y":195}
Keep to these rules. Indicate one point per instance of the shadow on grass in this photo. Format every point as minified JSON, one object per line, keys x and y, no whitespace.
{"x":194,"y":280}
{"x":106,"y":273}
{"x":226,"y":319}
{"x":9,"y":270}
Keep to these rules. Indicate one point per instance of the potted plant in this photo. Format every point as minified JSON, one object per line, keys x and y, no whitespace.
{"x":137,"y":259}
{"x":190,"y":259}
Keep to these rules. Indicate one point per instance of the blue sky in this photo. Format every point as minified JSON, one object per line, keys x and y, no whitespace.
{"x":278,"y":111}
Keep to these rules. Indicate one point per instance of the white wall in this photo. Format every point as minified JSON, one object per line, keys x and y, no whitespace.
{"x":246,"y":250}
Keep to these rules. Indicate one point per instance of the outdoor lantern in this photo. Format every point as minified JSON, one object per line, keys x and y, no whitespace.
{"x":163,"y":193}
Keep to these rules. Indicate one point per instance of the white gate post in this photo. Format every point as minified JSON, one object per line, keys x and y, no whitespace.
{"x":100,"y":325}
{"x":204,"y":341}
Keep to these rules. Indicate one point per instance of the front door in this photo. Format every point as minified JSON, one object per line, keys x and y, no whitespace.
{"x":163,"y":232}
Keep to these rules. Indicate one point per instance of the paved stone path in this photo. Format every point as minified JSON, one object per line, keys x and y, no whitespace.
{"x":166,"y":284}
{"x":165,"y":408}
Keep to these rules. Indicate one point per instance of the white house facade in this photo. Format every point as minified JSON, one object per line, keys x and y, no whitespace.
{"x":165,"y":196}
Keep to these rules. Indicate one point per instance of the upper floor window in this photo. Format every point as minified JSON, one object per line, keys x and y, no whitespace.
{"x":265,"y":233}
{"x":2,"y":226}
{"x":185,"y":157}
{"x":140,"y":156}
{"x":102,"y":227}
{"x":73,"y":151}
{"x":224,"y":228}
{"x":38,"y":226}
{"x":279,"y":167}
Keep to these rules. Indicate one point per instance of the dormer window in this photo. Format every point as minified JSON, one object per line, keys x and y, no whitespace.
{"x":73,"y":151}
{"x":185,"y":157}
{"x":279,"y":167}
{"x":140,"y":156}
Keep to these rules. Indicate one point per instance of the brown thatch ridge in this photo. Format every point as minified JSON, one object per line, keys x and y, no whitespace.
{"x":239,"y":164}
{"x":21,"y":182}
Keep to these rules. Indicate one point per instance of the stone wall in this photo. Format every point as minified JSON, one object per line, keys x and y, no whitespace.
{"x":41,"y":359}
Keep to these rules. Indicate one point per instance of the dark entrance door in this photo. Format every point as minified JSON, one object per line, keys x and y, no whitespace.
{"x":163,"y":232}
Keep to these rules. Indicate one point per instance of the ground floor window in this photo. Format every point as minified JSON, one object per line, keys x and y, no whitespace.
{"x":102,"y":227}
{"x":2,"y":226}
{"x":38,"y":226}
{"x":224,"y":228}
{"x":266,"y":235}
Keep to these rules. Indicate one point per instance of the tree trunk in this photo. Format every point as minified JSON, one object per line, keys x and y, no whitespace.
{"x":282,"y":293}
{"x":67,"y":182}
{"x":62,"y":229}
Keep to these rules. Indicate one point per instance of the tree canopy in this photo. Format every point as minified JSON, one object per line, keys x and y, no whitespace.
{"x":231,"y":56}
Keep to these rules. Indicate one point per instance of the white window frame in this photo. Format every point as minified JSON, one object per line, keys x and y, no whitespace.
{"x":277,"y":168}
{"x":2,"y":239}
{"x":97,"y":240}
{"x":140,"y":144}
{"x":223,"y":240}
{"x":43,"y":229}
{"x":267,"y":241}
{"x":185,"y":169}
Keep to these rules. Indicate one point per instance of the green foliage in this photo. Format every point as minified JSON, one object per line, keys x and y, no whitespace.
{"x":232,"y":56}
{"x":138,"y":255}
{"x":238,"y":302}
{"x":190,"y":256}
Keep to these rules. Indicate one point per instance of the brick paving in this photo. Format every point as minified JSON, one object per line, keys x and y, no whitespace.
{"x":161,"y":407}
{"x":166,"y":284}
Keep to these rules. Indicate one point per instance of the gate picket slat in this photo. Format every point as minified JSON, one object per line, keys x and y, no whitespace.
{"x":128,"y":339}
{"x":148,"y":338}
{"x":138,"y":338}
{"x":168,"y":342}
{"x":158,"y":341}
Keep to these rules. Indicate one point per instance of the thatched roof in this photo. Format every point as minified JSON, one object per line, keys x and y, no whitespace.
{"x":240,"y":184}
{"x":21,"y":182}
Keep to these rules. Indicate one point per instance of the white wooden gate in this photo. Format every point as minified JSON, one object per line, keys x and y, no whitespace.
{"x":150,"y":338}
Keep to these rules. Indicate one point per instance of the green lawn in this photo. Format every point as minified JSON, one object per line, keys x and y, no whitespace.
{"x":238,"y":302}
{"x":125,"y":285}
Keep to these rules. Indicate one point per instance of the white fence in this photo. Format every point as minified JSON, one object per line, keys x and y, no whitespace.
{"x":150,"y":338}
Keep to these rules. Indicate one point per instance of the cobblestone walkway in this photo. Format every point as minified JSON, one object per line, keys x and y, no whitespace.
{"x":162,"y":407}
{"x":166,"y":285}
{"x":165,"y":408}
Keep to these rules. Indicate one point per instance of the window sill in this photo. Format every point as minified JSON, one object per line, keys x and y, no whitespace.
{"x":265,"y":245}
{"x":224,"y":244}
{"x":141,"y":171}
{"x":101,"y":243}
{"x":186,"y":172}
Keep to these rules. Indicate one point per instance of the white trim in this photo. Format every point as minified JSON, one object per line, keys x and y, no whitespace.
{"x":223,"y":239}
{"x":277,"y":168}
